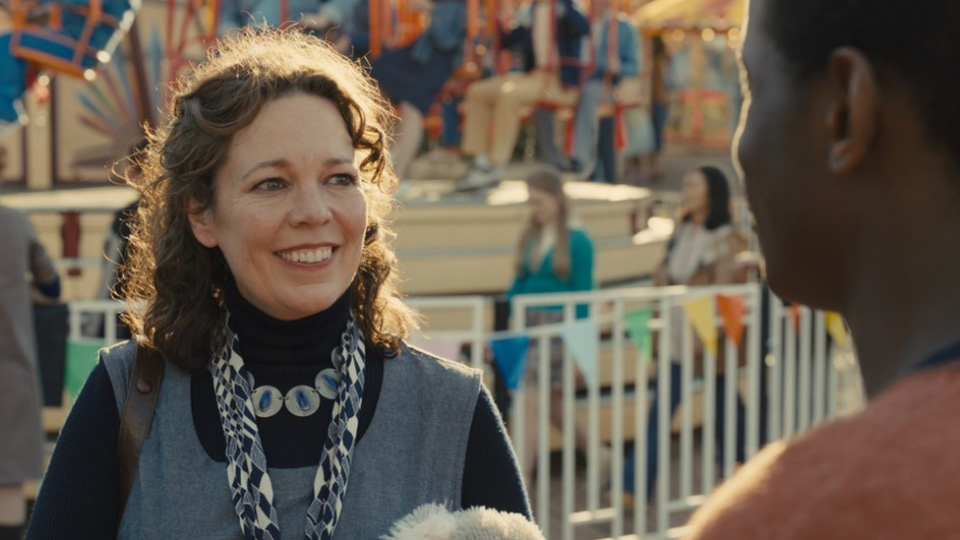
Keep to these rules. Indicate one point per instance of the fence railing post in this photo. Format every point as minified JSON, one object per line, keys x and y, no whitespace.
{"x":805,"y":380}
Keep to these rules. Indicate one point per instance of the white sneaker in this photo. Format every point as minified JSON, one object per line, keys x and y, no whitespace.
{"x":479,"y":177}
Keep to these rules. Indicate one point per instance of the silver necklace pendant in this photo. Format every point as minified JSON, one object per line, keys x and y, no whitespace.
{"x":267,"y":401}
{"x":336,"y":356}
{"x":302,"y":400}
{"x":328,"y":383}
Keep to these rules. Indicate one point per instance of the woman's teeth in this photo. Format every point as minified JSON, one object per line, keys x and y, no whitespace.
{"x":307,"y":255}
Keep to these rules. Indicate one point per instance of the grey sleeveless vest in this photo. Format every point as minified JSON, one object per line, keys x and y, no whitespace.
{"x":412,"y":453}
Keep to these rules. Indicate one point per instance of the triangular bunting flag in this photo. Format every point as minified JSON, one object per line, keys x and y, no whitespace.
{"x":732,"y":308}
{"x":446,"y":349}
{"x":795,"y":316}
{"x":82,"y":356}
{"x":638,"y":326}
{"x":836,"y":328}
{"x":510,"y":354}
{"x":581,"y":339}
{"x":700,"y":314}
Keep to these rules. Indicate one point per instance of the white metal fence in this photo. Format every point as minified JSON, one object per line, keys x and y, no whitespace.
{"x":790,"y":376}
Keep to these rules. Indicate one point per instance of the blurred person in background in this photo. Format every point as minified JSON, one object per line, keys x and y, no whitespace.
{"x":638,"y":124}
{"x":547,"y":35}
{"x":555,"y":255}
{"x":660,"y":103}
{"x":638,"y":151}
{"x":703,"y":251}
{"x":616,"y":54}
{"x":26,"y":275}
{"x":411,"y":77}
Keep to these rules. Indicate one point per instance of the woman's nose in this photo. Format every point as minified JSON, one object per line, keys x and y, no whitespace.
{"x":310,"y":205}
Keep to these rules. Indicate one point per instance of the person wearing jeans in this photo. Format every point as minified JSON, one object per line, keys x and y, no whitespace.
{"x":653,"y":429}
{"x":702,"y":251}
{"x":548,"y":36}
{"x":616,"y":49}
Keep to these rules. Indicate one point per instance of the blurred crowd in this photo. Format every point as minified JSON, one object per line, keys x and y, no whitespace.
{"x":595,"y":90}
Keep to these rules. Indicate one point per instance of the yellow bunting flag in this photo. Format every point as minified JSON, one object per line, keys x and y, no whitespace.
{"x":732,"y":308}
{"x":836,"y":328}
{"x":700,"y":314}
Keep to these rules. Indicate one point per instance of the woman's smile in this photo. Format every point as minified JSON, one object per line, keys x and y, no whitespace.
{"x":311,"y":256}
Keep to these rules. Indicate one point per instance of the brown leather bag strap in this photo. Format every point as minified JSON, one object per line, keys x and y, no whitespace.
{"x":142,"y":394}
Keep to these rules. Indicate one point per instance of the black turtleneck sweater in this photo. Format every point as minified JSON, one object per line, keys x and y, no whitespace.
{"x":80,"y":495}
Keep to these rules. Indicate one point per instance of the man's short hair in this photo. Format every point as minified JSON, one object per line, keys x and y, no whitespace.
{"x":916,"y":42}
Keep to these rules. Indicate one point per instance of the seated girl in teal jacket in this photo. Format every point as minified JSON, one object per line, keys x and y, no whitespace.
{"x":553,"y":257}
{"x":541,"y":277}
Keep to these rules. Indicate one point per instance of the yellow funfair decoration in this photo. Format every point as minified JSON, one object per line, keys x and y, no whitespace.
{"x":718,"y":15}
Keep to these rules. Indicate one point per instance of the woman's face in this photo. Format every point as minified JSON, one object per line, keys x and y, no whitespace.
{"x":696,"y":198}
{"x":289,"y":213}
{"x":544,"y":207}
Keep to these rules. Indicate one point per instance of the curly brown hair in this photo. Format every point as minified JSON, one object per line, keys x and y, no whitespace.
{"x":174,"y":285}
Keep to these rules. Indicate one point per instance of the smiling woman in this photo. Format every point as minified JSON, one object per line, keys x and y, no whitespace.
{"x":262,"y":275}
{"x":289,"y":214}
{"x":256,"y":132}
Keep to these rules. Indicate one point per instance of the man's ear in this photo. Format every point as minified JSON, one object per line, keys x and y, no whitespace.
{"x":853,"y":110}
{"x":201,"y":223}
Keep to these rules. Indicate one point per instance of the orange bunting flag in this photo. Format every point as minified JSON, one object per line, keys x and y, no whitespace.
{"x":836,"y":328}
{"x":795,"y":316}
{"x":732,"y":308}
{"x":700,"y":314}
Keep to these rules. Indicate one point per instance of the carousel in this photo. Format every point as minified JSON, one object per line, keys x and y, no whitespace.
{"x":703,"y":36}
{"x":78,"y":79}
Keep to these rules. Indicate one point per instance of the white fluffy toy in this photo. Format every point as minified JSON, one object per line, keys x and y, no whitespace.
{"x":435,"y":522}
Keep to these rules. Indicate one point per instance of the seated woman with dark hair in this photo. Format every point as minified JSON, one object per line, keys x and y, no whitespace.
{"x":702,"y":251}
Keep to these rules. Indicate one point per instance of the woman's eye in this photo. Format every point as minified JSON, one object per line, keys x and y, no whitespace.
{"x":270,"y":184}
{"x":343,"y":180}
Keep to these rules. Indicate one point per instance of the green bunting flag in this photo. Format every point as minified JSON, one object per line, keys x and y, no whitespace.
{"x":82,"y":357}
{"x":638,"y":326}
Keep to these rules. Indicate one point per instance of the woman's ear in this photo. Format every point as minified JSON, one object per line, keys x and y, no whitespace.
{"x":201,"y":223}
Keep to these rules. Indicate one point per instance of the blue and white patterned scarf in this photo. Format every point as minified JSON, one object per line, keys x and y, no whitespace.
{"x":246,"y":463}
